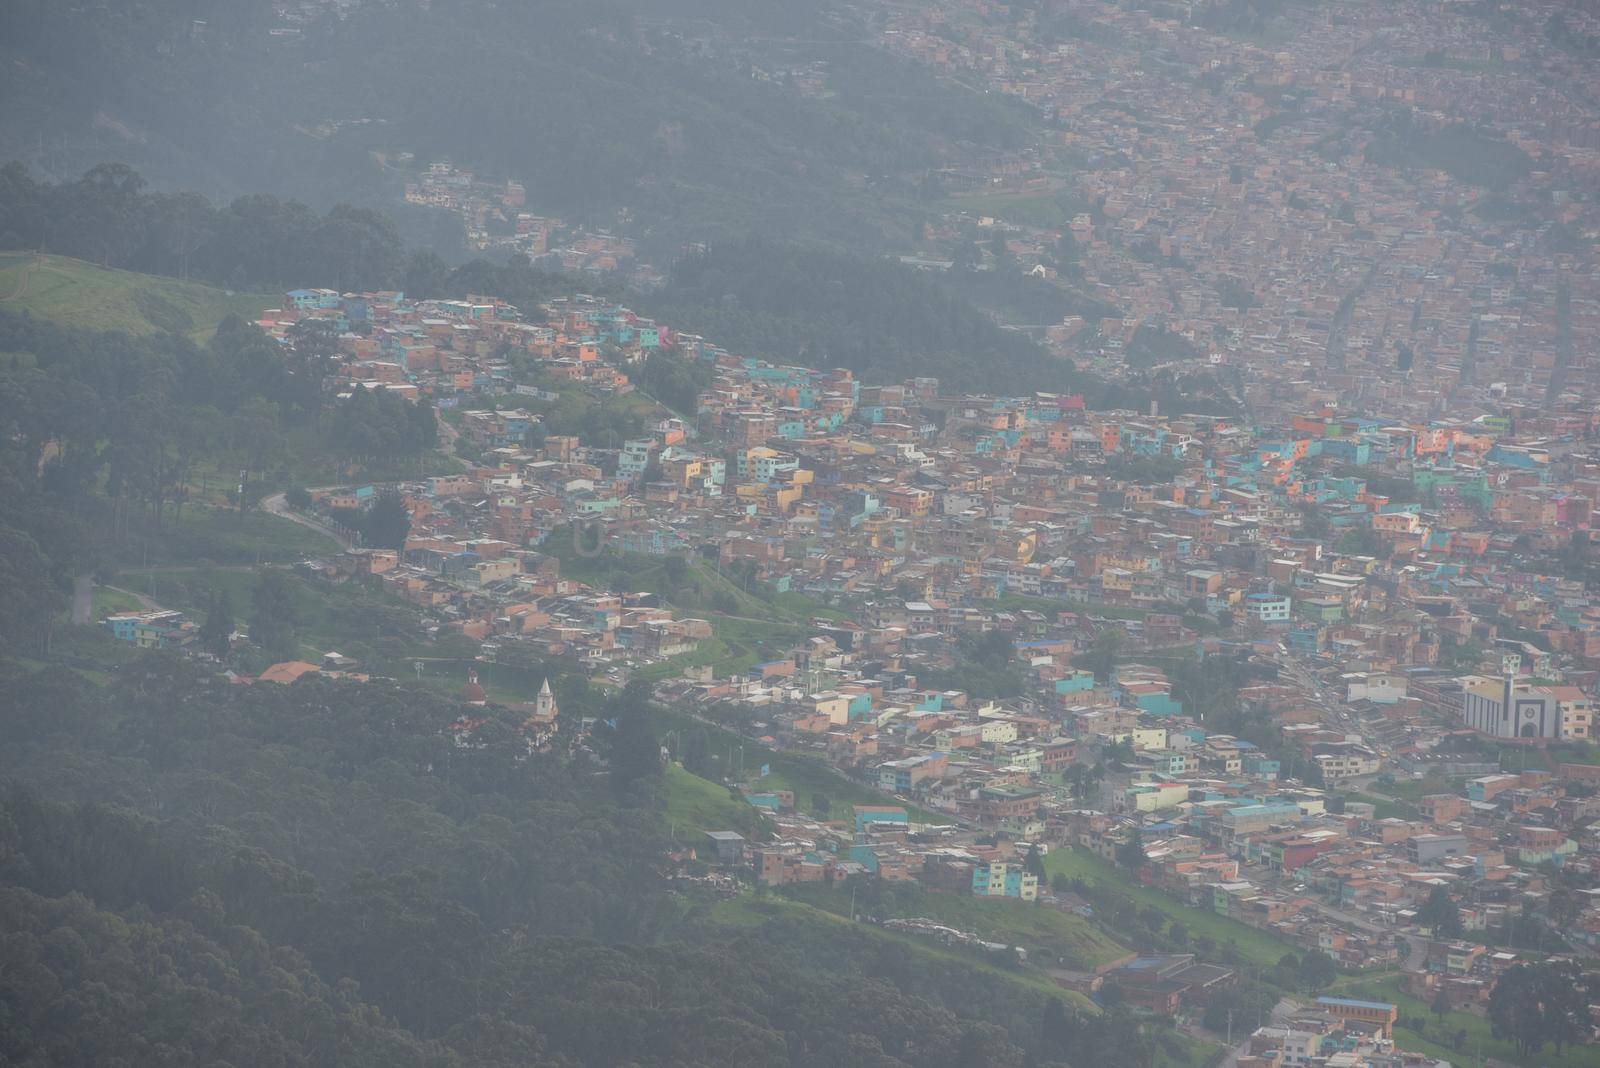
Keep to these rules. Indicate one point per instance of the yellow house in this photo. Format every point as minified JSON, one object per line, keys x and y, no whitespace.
{"x":1143,"y":737}
{"x":836,"y":706}
{"x":1117,"y":580}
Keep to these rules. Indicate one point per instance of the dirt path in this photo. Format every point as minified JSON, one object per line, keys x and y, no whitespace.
{"x":277,"y":504}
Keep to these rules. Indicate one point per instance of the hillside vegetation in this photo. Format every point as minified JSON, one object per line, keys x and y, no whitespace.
{"x":204,"y":873}
{"x":652,"y":106}
{"x":75,"y":293}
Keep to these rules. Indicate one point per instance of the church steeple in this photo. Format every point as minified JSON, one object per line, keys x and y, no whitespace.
{"x":545,"y":706}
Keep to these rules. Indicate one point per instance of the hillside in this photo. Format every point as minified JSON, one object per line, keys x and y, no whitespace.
{"x":884,"y":321}
{"x":651,"y":107}
{"x":75,"y":293}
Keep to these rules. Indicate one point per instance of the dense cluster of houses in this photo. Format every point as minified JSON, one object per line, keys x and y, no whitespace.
{"x":1300,"y":217}
{"x":1381,"y":586}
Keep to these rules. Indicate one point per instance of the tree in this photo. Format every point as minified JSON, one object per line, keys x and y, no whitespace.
{"x":1317,"y":970}
{"x":1033,"y":863}
{"x":1516,"y":1008}
{"x":218,"y":627}
{"x":1130,"y":853}
{"x":29,"y":598}
{"x":998,"y":248}
{"x":1532,"y":1004}
{"x":387,"y":522}
{"x":426,"y":274}
{"x":1564,"y":907}
{"x":1102,"y":658}
{"x":273,"y":618}
{"x":257,"y":438}
{"x":1439,"y":912}
{"x":635,"y":751}
{"x":1441,"y":1004}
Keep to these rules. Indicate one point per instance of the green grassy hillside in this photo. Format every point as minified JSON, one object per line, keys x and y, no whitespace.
{"x":1052,"y":937}
{"x":1253,"y":946}
{"x":76,"y":293}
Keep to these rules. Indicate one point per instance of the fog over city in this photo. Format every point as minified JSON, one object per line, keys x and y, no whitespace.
{"x":823,"y":534}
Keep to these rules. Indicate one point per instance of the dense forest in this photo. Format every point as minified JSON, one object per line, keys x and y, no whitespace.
{"x":102,"y":432}
{"x":774,"y":299}
{"x":595,"y":105}
{"x":882,"y":320}
{"x":330,"y":872}
{"x":256,"y":242}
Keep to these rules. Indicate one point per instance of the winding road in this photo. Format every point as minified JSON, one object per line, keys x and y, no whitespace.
{"x":277,"y":504}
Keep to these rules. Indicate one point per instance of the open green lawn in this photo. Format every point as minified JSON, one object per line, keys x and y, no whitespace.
{"x":696,"y":805}
{"x":203,"y":535}
{"x":79,"y":294}
{"x":1385,"y":807}
{"x":1253,"y":946}
{"x":810,"y":778}
{"x":1026,"y":209}
{"x":823,"y":928}
{"x":1519,"y":758}
{"x":1480,"y":1046}
{"x":447,"y":673}
{"x":737,"y":645}
{"x":1051,"y":937}
{"x":752,"y":911}
{"x":750,"y":623}
{"x":691,"y":583}
{"x":384,"y":633}
{"x":106,"y":602}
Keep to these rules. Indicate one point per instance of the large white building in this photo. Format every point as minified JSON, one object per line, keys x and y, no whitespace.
{"x":1506,"y":708}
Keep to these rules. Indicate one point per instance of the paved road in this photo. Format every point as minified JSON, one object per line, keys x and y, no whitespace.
{"x":1349,"y":918}
{"x":276,"y":504}
{"x":146,"y":602}
{"x":82,"y":600}
{"x":1415,"y":948}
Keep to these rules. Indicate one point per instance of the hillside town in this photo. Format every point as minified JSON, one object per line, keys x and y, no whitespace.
{"x":1260,"y":215}
{"x":1331,"y":678}
{"x":846,"y":534}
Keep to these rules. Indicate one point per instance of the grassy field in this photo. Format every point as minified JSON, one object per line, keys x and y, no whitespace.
{"x":1385,"y":807}
{"x":222,"y":536}
{"x":696,"y":805}
{"x":809,"y":777}
{"x":381,"y":631}
{"x":1253,"y":946}
{"x":751,"y":625}
{"x":748,"y":911}
{"x":1516,"y":758}
{"x":1025,"y":209}
{"x":1051,"y":937}
{"x":1480,"y":1046}
{"x":754,"y":912}
{"x":691,"y":583}
{"x":76,"y":293}
{"x":738,"y":645}
{"x":105,"y":602}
